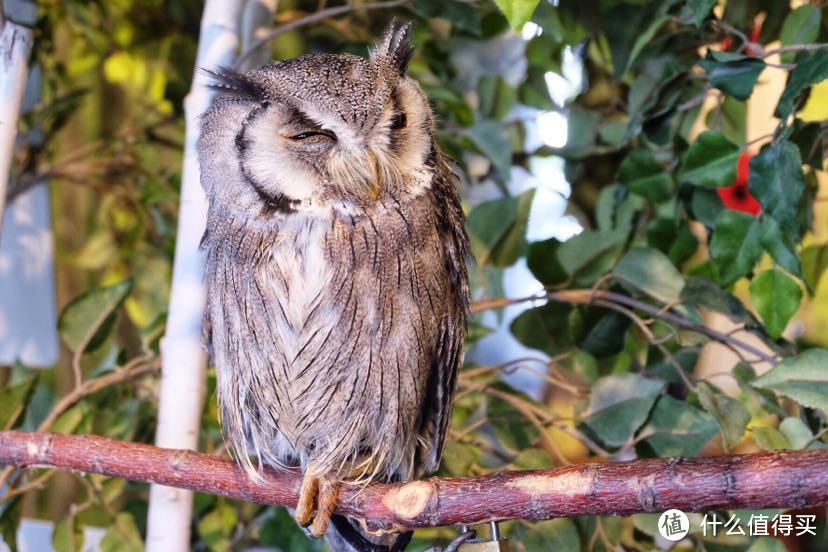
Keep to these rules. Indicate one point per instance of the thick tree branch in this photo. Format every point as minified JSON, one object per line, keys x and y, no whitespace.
{"x":768,"y":480}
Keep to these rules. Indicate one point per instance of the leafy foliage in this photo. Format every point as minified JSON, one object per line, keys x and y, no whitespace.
{"x":693,"y":236}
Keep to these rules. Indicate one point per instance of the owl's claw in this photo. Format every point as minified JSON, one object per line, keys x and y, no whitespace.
{"x":317,"y":501}
{"x":307,"y":499}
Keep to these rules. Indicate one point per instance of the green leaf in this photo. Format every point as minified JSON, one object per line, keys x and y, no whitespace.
{"x":736,"y":245}
{"x":780,"y":247}
{"x":493,"y":141}
{"x":10,"y":514}
{"x":216,"y":527}
{"x":532,"y":459}
{"x":542,"y":260}
{"x":122,"y":535}
{"x":796,"y":432}
{"x":458,"y":458}
{"x":13,"y":401}
{"x":645,"y":176}
{"x":497,"y":229}
{"x":545,"y":328}
{"x":729,"y":413}
{"x":776,"y":298}
{"x":559,"y":534}
{"x":777,"y":182}
{"x":769,"y":438}
{"x":652,"y":272}
{"x":814,"y":263}
{"x":679,"y":429}
{"x":618,"y":405}
{"x":804,"y":378}
{"x":462,"y":15}
{"x":807,"y":73}
{"x":589,"y":255}
{"x":711,"y":161}
{"x":68,"y":535}
{"x":279,"y":530}
{"x":801,"y":26}
{"x":82,"y":320}
{"x":701,"y":9}
{"x":701,"y":292}
{"x":733,"y":74}
{"x":705,"y":206}
{"x":518,"y":12}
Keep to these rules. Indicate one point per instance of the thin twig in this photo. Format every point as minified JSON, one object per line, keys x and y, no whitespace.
{"x":587,"y":296}
{"x":312,"y":18}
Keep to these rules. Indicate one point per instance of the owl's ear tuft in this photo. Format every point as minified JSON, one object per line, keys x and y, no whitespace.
{"x":395,"y":45}
{"x":230,"y":83}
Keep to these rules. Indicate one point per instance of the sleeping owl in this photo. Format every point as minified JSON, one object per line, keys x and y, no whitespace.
{"x":337,"y":285}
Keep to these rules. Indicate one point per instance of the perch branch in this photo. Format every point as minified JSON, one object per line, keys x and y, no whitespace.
{"x":767,"y":480}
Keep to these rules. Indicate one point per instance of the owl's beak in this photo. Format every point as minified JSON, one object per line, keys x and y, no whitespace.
{"x":375,"y":186}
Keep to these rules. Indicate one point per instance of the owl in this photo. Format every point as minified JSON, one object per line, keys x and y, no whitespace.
{"x":337,"y":286}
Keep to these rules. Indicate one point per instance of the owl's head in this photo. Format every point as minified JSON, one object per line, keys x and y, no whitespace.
{"x":319,"y":132}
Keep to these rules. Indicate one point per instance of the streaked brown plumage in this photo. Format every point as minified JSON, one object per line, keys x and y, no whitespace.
{"x":336,"y":271}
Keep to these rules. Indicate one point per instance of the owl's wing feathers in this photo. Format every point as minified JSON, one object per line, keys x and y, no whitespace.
{"x":448,"y":354}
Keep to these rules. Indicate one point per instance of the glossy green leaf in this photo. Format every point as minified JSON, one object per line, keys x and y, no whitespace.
{"x":780,"y":247}
{"x":733,"y":74}
{"x":729,"y":413}
{"x":589,"y":255}
{"x":801,"y":26}
{"x":618,"y":405}
{"x":542,"y":260}
{"x":701,"y":292}
{"x":497,"y":229}
{"x":518,"y":12}
{"x":645,"y":176}
{"x":777,"y":182}
{"x":678,"y":429}
{"x":736,"y":245}
{"x":546,"y":328}
{"x":711,"y":161}
{"x":776,"y":298}
{"x":804,"y":378}
{"x":652,"y":272}
{"x":701,"y":9}
{"x":458,"y":458}
{"x":770,"y":439}
{"x":83,"y":318}
{"x":812,"y":70}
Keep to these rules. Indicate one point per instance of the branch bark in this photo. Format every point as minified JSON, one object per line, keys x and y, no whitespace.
{"x":767,"y":480}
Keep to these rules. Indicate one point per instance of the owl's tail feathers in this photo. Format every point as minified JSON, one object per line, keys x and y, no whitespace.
{"x":346,"y":536}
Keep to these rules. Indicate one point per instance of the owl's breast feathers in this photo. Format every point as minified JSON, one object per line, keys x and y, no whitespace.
{"x":338,"y":340}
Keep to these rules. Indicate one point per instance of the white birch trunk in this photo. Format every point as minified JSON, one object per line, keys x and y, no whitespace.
{"x":15,"y":47}
{"x":183,"y":357}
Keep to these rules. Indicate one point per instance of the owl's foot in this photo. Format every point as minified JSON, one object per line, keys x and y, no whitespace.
{"x":317,"y":500}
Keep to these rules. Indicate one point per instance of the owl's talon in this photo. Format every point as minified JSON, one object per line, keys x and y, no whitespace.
{"x":326,"y":503}
{"x":307,"y":499}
